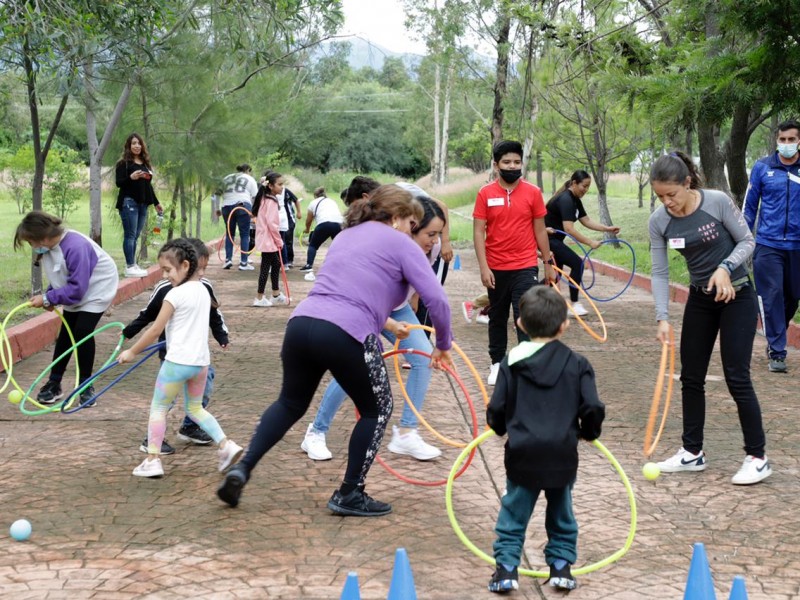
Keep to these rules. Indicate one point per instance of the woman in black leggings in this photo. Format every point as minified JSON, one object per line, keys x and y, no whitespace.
{"x":336,"y":329}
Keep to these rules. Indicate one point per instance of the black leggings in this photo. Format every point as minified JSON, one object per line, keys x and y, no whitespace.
{"x":321,"y":232}
{"x":270,"y":265}
{"x":81,"y":323}
{"x":564,"y":255}
{"x":310,"y":348}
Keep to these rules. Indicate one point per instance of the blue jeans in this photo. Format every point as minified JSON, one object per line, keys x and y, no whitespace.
{"x":134,"y":218}
{"x":777,"y":275}
{"x":418,"y":379}
{"x":241,"y":219}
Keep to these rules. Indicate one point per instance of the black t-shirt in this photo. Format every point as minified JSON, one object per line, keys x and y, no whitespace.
{"x":564,"y":207}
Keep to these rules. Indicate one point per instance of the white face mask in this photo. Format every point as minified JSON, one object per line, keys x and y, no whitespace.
{"x":787,"y":150}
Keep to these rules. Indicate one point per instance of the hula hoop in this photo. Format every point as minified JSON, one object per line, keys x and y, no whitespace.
{"x":152,"y":349}
{"x":588,"y":329}
{"x":474,"y":415}
{"x":585,"y":255}
{"x":630,"y":279}
{"x":544,"y":574}
{"x":666,"y":348}
{"x":66,"y":402}
{"x":8,"y":359}
{"x":230,"y":237}
{"x":285,"y":280}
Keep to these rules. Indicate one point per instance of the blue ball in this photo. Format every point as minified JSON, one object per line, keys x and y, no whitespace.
{"x":20,"y":530}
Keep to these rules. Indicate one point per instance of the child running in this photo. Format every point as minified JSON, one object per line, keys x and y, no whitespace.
{"x":185,"y":315}
{"x":268,"y":239}
{"x":189,"y":431}
{"x":82,"y":278}
{"x":545,"y":399}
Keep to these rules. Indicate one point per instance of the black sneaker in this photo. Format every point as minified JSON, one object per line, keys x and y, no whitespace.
{"x":562,"y":578}
{"x":232,"y":486}
{"x":193,"y":433}
{"x":87,"y":396}
{"x":504,"y":580}
{"x":306,"y":268}
{"x":50,"y":392}
{"x":165,"y":447}
{"x":357,"y":504}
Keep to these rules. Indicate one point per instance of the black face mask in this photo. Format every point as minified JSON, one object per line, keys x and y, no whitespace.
{"x":510,"y":175}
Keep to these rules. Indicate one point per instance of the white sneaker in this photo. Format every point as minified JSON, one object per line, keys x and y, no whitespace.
{"x":134,"y":271}
{"x":493,"y":372}
{"x":411,"y":444}
{"x":579,"y":309}
{"x":263,"y":302}
{"x":684,"y":460}
{"x":149,"y":468}
{"x":228,"y":454}
{"x":228,"y":264}
{"x":309,"y":276}
{"x":314,"y":445}
{"x":482,"y":319}
{"x":752,"y":471}
{"x":246,"y":267}
{"x":279,"y":299}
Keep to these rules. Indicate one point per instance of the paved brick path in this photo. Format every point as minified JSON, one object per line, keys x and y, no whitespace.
{"x":98,"y":532}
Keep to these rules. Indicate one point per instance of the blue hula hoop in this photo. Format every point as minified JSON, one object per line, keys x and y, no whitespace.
{"x":152,"y":349}
{"x":587,"y":258}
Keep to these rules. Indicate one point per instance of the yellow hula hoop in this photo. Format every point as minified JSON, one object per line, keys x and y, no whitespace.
{"x":543,"y":574}
{"x":589,"y":330}
{"x":666,"y":349}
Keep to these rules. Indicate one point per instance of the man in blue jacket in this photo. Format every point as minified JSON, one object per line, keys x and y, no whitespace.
{"x":774,"y":197}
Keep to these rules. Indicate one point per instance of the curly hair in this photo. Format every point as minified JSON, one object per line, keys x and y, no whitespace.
{"x":179,"y":250}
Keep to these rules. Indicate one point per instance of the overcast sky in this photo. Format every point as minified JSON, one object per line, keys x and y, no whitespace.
{"x":382,"y":22}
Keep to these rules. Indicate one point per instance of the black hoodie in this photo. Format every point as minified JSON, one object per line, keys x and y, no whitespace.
{"x":545,"y":403}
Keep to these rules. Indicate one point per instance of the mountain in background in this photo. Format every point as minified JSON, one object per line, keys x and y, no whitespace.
{"x":364,"y":53}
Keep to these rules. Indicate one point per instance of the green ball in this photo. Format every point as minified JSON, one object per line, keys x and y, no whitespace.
{"x":651,"y":471}
{"x":15,"y":396}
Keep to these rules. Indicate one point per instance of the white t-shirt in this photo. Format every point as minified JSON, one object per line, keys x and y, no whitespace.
{"x":238,"y":187}
{"x":284,"y":218}
{"x":325,"y":210}
{"x":187,"y":330}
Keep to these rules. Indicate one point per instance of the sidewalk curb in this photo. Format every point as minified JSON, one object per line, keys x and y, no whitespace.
{"x":30,"y":337}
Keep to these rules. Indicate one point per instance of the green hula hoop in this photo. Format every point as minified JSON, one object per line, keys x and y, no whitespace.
{"x":57,"y":407}
{"x":7,"y":358}
{"x":544,"y":574}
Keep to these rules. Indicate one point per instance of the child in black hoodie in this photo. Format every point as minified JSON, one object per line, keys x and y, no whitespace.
{"x":546,"y":400}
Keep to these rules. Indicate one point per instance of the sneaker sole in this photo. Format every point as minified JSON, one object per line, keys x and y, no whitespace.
{"x":686,"y":469}
{"x":506,"y":585}
{"x":411,"y":454}
{"x":305,"y":449}
{"x":231,"y":489}
{"x":761,"y":477}
{"x":232,"y":460}
{"x":563,"y":583}
{"x":194,"y":441}
{"x":349,"y":512}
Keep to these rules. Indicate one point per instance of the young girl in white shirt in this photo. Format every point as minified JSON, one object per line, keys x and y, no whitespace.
{"x":184,"y":314}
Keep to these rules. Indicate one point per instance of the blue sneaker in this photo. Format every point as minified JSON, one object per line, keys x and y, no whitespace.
{"x":562,"y":578}
{"x":504,"y":580}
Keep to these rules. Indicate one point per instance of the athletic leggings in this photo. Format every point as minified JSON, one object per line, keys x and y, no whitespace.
{"x":310,"y":348}
{"x":564,"y":255}
{"x":270,"y":265}
{"x":81,"y":323}
{"x":172,"y":378}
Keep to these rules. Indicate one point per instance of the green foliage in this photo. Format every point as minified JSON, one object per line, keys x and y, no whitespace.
{"x":20,"y":173}
{"x":61,"y":183}
{"x":473,"y":149}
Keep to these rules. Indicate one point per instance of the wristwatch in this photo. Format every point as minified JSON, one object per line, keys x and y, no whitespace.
{"x":45,"y":301}
{"x":727,"y":265}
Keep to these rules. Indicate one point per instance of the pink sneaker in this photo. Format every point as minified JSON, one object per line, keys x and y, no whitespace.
{"x":467,"y":309}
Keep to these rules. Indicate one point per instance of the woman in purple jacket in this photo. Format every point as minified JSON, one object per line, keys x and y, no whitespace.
{"x":336,"y":328}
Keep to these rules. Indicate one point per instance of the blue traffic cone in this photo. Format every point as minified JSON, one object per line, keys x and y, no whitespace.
{"x":699,"y":584}
{"x":350,"y":591}
{"x":402,"y":586}
{"x":738,"y":591}
{"x":457,"y":263}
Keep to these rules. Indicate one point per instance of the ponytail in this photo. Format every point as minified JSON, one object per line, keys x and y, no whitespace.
{"x":179,"y":250}
{"x":675,"y":167}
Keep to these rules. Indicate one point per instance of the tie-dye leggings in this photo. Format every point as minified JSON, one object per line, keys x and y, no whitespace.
{"x":172,"y":379}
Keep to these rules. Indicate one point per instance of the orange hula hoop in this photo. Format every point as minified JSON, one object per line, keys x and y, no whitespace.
{"x":667,"y":349}
{"x":285,"y":279}
{"x":228,"y":230}
{"x":589,"y":330}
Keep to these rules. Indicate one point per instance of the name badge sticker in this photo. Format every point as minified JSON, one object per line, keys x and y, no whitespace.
{"x":496,"y":201}
{"x":677,"y":243}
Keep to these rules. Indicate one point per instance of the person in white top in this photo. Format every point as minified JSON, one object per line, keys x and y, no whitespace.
{"x":185,"y":315}
{"x":238,"y":190}
{"x":325,"y":211}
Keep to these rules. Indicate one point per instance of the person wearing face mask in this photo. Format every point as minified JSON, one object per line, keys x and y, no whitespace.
{"x":563,"y":209}
{"x":773,"y":197}
{"x":82,"y":279}
{"x":508,"y":229}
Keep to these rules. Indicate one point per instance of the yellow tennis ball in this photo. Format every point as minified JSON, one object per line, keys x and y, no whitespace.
{"x":15,"y":396}
{"x":651,"y":471}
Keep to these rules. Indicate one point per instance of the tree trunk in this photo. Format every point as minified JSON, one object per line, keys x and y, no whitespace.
{"x":145,"y":242}
{"x":445,"y":132}
{"x":172,"y":206}
{"x":527,"y":145}
{"x":199,"y":212}
{"x":437,"y":90}
{"x":711,"y":159}
{"x":539,"y":173}
{"x":501,"y":73}
{"x":182,"y":195}
{"x":736,"y":153}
